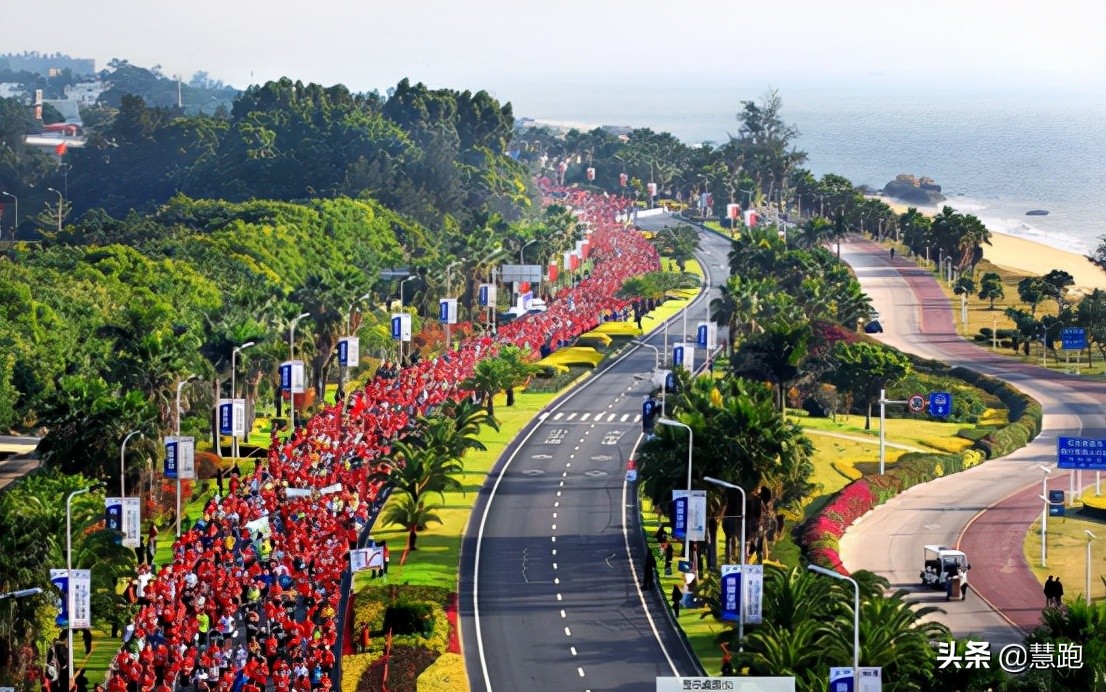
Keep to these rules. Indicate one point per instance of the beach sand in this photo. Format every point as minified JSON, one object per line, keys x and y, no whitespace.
{"x":1031,"y":257}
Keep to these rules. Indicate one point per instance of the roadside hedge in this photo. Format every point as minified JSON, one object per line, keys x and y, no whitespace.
{"x":819,"y":537}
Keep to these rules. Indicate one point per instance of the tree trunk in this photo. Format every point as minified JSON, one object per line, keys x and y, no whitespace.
{"x":510,"y":396}
{"x":412,"y":538}
{"x":712,"y":535}
{"x":868,"y":418}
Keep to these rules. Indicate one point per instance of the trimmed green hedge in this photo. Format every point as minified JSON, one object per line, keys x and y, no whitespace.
{"x":818,"y":538}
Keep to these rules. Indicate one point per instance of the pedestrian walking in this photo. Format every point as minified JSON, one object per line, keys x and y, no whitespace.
{"x":677,"y":597}
{"x":1048,"y":590}
{"x":1058,"y":593}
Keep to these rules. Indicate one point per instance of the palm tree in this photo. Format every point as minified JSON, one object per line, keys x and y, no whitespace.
{"x":413,"y":515}
{"x":415,"y":470}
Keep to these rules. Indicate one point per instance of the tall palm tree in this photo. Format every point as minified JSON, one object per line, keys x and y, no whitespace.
{"x":415,"y":470}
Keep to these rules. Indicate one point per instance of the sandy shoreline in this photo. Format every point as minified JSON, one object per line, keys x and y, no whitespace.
{"x":1031,"y":257}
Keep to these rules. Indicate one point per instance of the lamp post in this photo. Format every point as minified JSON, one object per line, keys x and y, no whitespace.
{"x":291,"y":357}
{"x":741,"y":600}
{"x":1090,"y":539}
{"x":22,"y":593}
{"x":856,"y":617}
{"x":1044,"y":513}
{"x":656,"y":368}
{"x":690,"y":452}
{"x":349,"y":312}
{"x":69,"y":556}
{"x":449,"y":294}
{"x":61,"y":203}
{"x":180,"y":386}
{"x":15,"y":225}
{"x":522,"y":250}
{"x":123,"y":462}
{"x":234,"y":393}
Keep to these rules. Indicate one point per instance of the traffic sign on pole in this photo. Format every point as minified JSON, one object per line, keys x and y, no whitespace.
{"x":1081,"y":453}
{"x":916,"y":403}
{"x":940,"y":404}
{"x":1073,"y":338}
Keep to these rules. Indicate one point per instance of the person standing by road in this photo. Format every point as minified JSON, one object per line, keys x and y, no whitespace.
{"x":649,"y":569}
{"x":1048,"y":590}
{"x":677,"y":596}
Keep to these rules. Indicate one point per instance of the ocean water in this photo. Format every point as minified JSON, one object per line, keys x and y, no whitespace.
{"x":996,"y":154}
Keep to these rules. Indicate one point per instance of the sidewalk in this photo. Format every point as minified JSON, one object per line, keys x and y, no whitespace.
{"x":15,"y":468}
{"x":994,"y":541}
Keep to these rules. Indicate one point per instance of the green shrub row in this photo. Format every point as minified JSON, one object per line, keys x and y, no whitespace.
{"x":1025,"y":414}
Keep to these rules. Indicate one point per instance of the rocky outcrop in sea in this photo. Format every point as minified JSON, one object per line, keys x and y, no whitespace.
{"x":914,"y":190}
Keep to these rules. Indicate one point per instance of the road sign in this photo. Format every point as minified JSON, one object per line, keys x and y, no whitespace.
{"x":1055,"y":503}
{"x":940,"y":404}
{"x":1073,"y":338}
{"x":916,"y":403}
{"x":1081,"y":453}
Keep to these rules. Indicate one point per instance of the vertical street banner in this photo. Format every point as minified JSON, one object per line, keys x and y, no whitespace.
{"x":683,"y":356}
{"x":238,"y":417}
{"x":401,"y":326}
{"x":186,"y":458}
{"x":652,"y":189}
{"x":292,"y":377}
{"x":226,"y":417}
{"x":113,"y":517}
{"x":731,"y":592}
{"x":80,"y":599}
{"x":132,"y":521}
{"x":60,"y":579}
{"x":551,"y":272}
{"x":172,"y":449}
{"x":447,"y":311}
{"x":679,"y":514}
{"x":706,"y":336}
{"x":733,"y":212}
{"x":591,"y":173}
{"x":623,"y":178}
{"x":752,"y":594}
{"x":487,"y":295}
{"x":349,"y":351}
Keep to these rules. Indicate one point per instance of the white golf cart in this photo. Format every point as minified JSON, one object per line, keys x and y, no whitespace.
{"x":947,"y":569}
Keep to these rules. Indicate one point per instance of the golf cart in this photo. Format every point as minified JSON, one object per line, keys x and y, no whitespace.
{"x":945,"y":568}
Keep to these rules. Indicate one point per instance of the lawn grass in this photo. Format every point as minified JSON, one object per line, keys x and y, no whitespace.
{"x":1067,"y":551}
{"x":919,"y":432}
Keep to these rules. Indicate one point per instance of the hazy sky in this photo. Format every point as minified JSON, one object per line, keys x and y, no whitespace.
{"x":524,"y":47}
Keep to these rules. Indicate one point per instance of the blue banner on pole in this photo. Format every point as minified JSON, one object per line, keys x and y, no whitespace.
{"x":226,"y":417}
{"x":677,"y":356}
{"x":343,"y":353}
{"x":647,"y":410}
{"x":172,"y":448}
{"x":1081,"y":453}
{"x":397,"y":327}
{"x":60,"y":579}
{"x":701,"y":336}
{"x":286,"y":376}
{"x":679,"y":514}
{"x":113,"y":518}
{"x":731,"y":592}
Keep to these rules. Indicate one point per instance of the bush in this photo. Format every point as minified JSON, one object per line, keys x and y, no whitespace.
{"x":447,"y":674}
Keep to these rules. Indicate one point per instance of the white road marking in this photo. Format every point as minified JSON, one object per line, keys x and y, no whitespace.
{"x":562,"y":483}
{"x":568,"y":632}
{"x":554,"y":565}
{"x":585,"y":416}
{"x":572,"y":649}
{"x":556,"y":580}
{"x":554,"y":527}
{"x":553,"y":539}
{"x":563,"y":613}
{"x":580,"y":671}
{"x":555,"y":516}
{"x":559,"y":597}
{"x":558,"y":493}
{"x":625,"y":417}
{"x":637,"y":418}
{"x":554,"y":551}
{"x":558,"y":416}
{"x":557,"y":504}
{"x":571,"y":416}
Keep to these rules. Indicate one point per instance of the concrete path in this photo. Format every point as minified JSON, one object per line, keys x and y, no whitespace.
{"x":865,"y":440}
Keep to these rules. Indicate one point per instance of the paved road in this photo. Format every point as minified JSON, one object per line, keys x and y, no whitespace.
{"x":917,"y":318}
{"x":16,"y":467}
{"x":551,"y":560}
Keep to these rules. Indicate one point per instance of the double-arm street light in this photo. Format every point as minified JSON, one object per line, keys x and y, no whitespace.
{"x":690,"y":452}
{"x":234,"y":393}
{"x":22,"y":593}
{"x":741,"y":599}
{"x":856,"y":617}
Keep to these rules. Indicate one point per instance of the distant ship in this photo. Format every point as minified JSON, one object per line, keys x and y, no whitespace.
{"x":1037,"y":212}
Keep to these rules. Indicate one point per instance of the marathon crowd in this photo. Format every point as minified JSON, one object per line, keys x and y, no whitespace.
{"x":250,"y":600}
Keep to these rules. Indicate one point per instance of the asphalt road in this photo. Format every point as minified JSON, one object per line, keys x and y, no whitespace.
{"x":916,"y":317}
{"x":552,"y":557}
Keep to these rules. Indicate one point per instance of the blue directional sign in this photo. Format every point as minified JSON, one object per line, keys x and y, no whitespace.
{"x":940,"y":404}
{"x":1073,"y":338}
{"x":1081,"y":453}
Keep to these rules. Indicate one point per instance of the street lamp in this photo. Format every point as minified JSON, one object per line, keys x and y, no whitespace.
{"x":349,"y":311}
{"x":1044,"y":512}
{"x":656,"y":367}
{"x":22,"y":593}
{"x":413,"y":276}
{"x":69,"y":555}
{"x":291,"y":357}
{"x":522,"y":250}
{"x":123,"y":462}
{"x":741,"y":601}
{"x":15,"y":226}
{"x":61,"y":202}
{"x":690,"y":452}
{"x":1090,"y":539}
{"x":234,"y":393}
{"x":856,"y":617}
{"x":180,"y":386}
